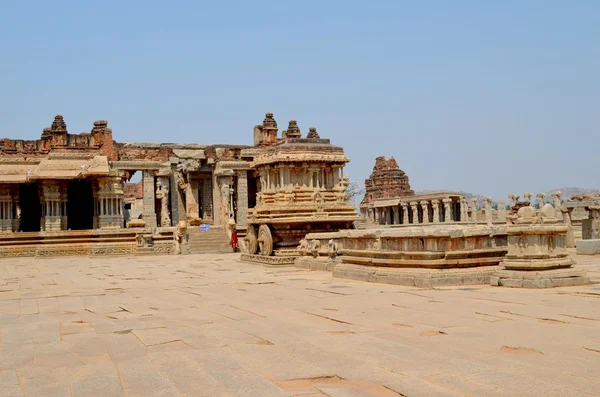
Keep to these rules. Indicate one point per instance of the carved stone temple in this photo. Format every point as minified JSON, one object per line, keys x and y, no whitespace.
{"x":301,"y":189}
{"x":68,"y":194}
{"x":389,"y":200}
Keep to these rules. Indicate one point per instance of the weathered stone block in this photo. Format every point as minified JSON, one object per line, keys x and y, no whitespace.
{"x":588,"y":247}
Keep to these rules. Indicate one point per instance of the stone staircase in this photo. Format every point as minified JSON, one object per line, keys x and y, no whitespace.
{"x":213,"y":242}
{"x":360,"y":225}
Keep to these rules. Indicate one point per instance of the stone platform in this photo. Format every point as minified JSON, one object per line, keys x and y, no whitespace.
{"x":539,"y":279}
{"x":137,"y":241}
{"x":588,"y":247}
{"x":422,"y":278}
{"x":423,"y":256}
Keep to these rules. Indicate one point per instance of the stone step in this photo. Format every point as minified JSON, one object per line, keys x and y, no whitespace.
{"x":214,"y":241}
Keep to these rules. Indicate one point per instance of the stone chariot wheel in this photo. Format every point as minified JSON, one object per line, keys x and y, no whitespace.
{"x":251,"y":240}
{"x":265,"y":240}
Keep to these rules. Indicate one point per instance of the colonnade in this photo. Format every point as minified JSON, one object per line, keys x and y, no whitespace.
{"x":306,"y":175}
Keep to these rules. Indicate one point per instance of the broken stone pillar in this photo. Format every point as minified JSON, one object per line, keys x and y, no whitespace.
{"x":488,"y":209}
{"x":557,"y":203}
{"x":474,"y":210}
{"x":528,"y":197}
{"x":537,"y":254}
{"x":540,"y":199}
{"x":425,"y":208}
{"x":501,"y":210}
{"x":148,"y":211}
{"x":242,"y":197}
{"x":567,"y":221}
{"x":514,"y":198}
{"x":447,"y":210}
{"x":436,"y":210}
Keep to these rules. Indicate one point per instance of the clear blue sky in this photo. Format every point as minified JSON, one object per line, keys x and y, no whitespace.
{"x":491,"y":97}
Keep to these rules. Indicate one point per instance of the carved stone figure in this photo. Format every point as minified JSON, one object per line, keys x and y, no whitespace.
{"x":315,"y":246}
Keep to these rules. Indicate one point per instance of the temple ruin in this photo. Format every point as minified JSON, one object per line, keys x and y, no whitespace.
{"x":67,"y":194}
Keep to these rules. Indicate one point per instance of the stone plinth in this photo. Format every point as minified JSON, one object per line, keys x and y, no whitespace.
{"x":537,"y":252}
{"x":588,"y":247}
{"x":426,"y":256}
{"x":318,"y":251}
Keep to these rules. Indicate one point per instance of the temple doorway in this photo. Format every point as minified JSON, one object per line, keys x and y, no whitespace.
{"x":252,"y":189}
{"x":80,"y":205}
{"x":31,"y":209}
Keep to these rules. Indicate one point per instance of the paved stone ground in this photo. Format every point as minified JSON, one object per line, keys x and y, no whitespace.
{"x":208,"y":325}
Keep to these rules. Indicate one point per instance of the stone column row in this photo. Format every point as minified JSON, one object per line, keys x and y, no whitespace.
{"x":108,"y":203}
{"x":419,"y":212}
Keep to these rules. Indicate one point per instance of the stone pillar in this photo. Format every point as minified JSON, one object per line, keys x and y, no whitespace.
{"x":436,"y":211}
{"x":415,"y":211}
{"x":513,"y":199}
{"x":51,"y":195}
{"x":501,"y":210}
{"x":474,"y":210}
{"x":6,"y":208}
{"x":557,"y":203}
{"x":528,"y":197}
{"x":463,"y":210}
{"x":191,"y":199}
{"x":488,"y":209}
{"x":242,"y":197}
{"x":405,"y":217}
{"x":175,"y":197}
{"x":108,"y":198}
{"x":396,"y":215}
{"x":148,"y":211}
{"x":566,"y":212}
{"x":163,"y":194}
{"x":540,"y":199}
{"x":447,"y":210}
{"x":425,"y":209}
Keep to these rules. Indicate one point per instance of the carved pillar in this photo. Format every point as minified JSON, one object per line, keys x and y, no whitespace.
{"x":242,"y":197}
{"x":425,"y":208}
{"x":6,"y":208}
{"x":51,"y":195}
{"x":474,"y":210}
{"x":148,"y":211}
{"x":513,"y":199}
{"x":405,"y":216}
{"x":591,"y":230}
{"x":463,"y":210}
{"x":447,"y":210}
{"x":108,"y":199}
{"x":528,"y":197}
{"x":436,"y":210}
{"x":396,"y":215}
{"x":415,"y":211}
{"x":191,"y":199}
{"x":488,"y":209}
{"x":163,"y":194}
{"x":175,"y":196}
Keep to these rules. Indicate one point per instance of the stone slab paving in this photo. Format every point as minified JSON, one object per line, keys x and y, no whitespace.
{"x":208,"y":325}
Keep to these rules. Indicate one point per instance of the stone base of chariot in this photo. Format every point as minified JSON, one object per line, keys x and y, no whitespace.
{"x":421,"y":278}
{"x":320,"y":263}
{"x":268,"y":260}
{"x":540,"y":279}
